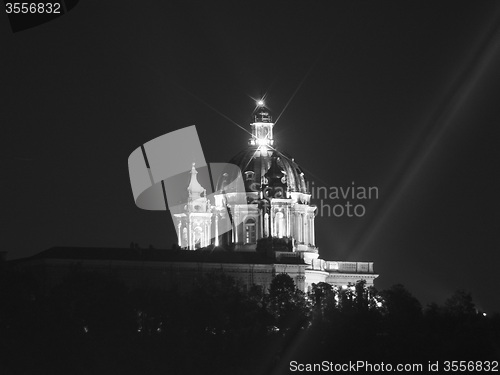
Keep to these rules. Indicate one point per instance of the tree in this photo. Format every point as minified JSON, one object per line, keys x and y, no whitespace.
{"x":19,"y":301}
{"x":403,"y":312}
{"x":401,"y":304}
{"x":460,"y":304}
{"x":362,"y":296}
{"x":346,"y":298}
{"x":216,"y":304}
{"x":287,"y":304}
{"x":91,"y":302}
{"x":319,"y":292}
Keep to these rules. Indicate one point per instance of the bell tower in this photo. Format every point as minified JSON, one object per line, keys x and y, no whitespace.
{"x":194,"y":225}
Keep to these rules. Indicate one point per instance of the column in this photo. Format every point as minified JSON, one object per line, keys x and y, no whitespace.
{"x":287,"y":218}
{"x":179,"y":233}
{"x":313,"y":239}
{"x":216,"y":238}
{"x":190,"y":232}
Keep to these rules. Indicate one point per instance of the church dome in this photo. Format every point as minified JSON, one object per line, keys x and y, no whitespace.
{"x":254,"y":163}
{"x":266,"y":171}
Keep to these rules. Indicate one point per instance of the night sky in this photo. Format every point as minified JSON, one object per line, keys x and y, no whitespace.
{"x":398,"y":95}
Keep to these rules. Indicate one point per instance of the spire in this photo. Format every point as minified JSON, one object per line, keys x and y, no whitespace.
{"x":262,"y":114}
{"x":197,"y":199}
{"x":195,"y":189}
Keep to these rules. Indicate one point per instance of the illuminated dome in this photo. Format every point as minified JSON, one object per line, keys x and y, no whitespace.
{"x":254,"y":163}
{"x":264,"y":168}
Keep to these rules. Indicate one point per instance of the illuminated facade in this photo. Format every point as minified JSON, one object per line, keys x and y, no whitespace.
{"x":273,"y":216}
{"x":251,"y":232}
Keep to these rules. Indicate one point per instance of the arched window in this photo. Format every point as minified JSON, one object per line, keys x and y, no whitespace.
{"x":249,"y":175}
{"x":250,"y":231}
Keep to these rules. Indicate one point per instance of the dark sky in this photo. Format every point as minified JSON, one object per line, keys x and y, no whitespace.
{"x":398,"y":95}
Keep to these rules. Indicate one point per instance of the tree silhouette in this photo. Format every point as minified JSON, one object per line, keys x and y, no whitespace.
{"x":91,"y":302}
{"x":287,"y":304}
{"x":460,"y":304}
{"x":91,"y":322}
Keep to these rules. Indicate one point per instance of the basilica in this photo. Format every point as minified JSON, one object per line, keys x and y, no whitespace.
{"x":257,"y":222}
{"x":271,"y":215}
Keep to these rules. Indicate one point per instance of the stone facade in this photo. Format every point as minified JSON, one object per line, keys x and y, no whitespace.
{"x":273,"y":215}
